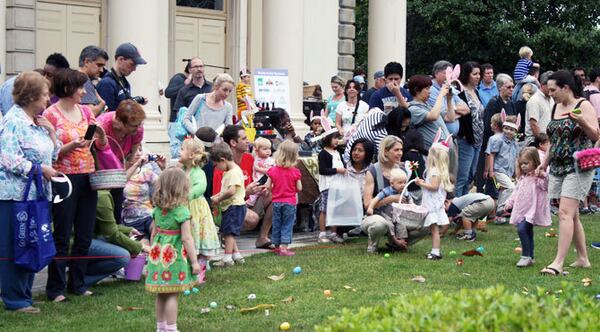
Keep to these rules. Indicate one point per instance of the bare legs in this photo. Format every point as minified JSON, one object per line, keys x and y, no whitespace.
{"x":570,"y":230}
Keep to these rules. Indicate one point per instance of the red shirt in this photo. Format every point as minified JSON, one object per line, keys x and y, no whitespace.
{"x":246,"y":164}
{"x":283,"y":186}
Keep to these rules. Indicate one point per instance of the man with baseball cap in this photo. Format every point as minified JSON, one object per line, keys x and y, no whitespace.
{"x":114,"y":87}
{"x":379,"y":83}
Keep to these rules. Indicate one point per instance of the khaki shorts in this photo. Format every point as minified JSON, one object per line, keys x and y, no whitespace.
{"x":478,"y":210}
{"x":261,"y":205}
{"x":571,"y":185}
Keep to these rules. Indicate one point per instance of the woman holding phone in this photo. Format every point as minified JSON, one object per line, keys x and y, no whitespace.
{"x":78,"y":212}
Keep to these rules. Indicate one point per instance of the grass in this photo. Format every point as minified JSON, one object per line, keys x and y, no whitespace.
{"x":374,"y":277}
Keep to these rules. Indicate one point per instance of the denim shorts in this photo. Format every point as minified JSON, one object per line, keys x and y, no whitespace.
{"x":232,"y":220}
{"x":324,"y":197}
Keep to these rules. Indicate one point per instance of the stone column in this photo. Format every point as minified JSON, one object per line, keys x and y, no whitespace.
{"x":283,"y":47}
{"x":387,"y":34}
{"x":346,"y":35}
{"x":2,"y":40}
{"x":145,"y":23}
{"x":20,"y":36}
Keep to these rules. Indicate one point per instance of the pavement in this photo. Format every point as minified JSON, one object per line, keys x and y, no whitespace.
{"x":245,"y":242}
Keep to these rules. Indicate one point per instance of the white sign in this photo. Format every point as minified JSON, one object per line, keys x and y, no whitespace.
{"x":272,"y":86}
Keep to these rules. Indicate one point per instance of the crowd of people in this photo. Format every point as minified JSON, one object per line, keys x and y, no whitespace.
{"x":462,"y":143}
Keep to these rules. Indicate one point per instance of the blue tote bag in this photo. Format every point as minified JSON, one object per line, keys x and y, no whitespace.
{"x":34,"y":245}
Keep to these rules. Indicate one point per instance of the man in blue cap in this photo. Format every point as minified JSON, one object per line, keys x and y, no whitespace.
{"x":114,"y":87}
{"x":379,"y":83}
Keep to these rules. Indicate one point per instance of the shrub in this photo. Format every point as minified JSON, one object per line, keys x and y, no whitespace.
{"x":490,"y":309}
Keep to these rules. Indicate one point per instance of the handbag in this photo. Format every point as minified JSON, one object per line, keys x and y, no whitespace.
{"x":180,"y":131}
{"x":34,"y":244}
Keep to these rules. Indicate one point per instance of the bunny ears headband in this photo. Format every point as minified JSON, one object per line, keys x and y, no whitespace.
{"x":452,"y":76}
{"x":313,"y":117}
{"x":327,"y":127}
{"x":514,"y":125}
{"x":445,"y":144}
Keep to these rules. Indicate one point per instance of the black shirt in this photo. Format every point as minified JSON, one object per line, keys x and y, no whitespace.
{"x":188,"y":92}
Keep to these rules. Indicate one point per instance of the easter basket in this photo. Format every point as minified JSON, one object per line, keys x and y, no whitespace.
{"x":109,"y":178}
{"x":587,"y":159}
{"x":411,"y":215}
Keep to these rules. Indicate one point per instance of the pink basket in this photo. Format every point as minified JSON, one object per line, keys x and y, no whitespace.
{"x":135,"y":267}
{"x":411,"y":215}
{"x":588,"y":159}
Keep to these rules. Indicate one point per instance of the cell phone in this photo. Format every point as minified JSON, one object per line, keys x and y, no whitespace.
{"x":89,"y":133}
{"x":262,"y":180}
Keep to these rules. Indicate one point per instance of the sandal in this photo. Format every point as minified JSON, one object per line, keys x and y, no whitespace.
{"x":266,"y":245}
{"x":550,"y":271}
{"x":60,"y":299}
{"x":29,"y":310}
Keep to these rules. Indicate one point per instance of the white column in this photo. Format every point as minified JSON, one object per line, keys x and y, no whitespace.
{"x":387,"y":34}
{"x":145,"y":23}
{"x":321,"y":42}
{"x":283,"y":47}
{"x":3,"y":39}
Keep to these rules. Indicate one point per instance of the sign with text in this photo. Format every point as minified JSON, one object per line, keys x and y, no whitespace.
{"x":272,"y":86}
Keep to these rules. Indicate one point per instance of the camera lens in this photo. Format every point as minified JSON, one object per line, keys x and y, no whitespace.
{"x":138,"y":99}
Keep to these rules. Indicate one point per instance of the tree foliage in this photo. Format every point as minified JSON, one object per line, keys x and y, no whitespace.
{"x":562,"y":33}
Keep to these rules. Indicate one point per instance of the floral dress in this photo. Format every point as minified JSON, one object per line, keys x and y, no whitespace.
{"x":204,"y":231}
{"x":168,"y":268}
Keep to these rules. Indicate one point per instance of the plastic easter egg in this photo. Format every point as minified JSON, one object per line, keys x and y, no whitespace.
{"x":297,"y":270}
{"x":285,"y":326}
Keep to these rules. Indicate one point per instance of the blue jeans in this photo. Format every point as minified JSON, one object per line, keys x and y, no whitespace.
{"x":98,"y":269}
{"x":525,"y":231}
{"x":467,"y":165}
{"x":15,"y":282}
{"x":284,"y":217}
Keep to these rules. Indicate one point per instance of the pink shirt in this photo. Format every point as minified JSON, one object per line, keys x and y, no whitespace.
{"x":530,"y":201}
{"x":105,"y":120}
{"x":284,"y":184}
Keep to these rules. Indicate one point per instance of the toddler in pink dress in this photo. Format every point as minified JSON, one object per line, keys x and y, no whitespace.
{"x":529,"y":202}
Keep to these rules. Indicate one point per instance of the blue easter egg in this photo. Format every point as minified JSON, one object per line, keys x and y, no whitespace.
{"x":297,"y":270}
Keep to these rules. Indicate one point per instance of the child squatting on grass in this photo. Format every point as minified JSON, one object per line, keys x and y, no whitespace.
{"x":529,"y":202}
{"x":284,"y":182}
{"x":232,"y":203}
{"x":435,"y":186}
{"x":172,"y":263}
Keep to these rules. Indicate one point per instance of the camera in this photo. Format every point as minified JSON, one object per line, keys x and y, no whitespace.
{"x":138,"y":99}
{"x":152,"y":157}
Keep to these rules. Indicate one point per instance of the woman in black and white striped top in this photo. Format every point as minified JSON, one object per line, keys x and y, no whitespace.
{"x":376,"y":125}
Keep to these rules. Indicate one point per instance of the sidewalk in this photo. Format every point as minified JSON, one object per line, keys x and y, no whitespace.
{"x":245,"y":243}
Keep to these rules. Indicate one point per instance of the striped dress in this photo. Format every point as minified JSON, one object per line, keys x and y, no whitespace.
{"x":365,"y":130}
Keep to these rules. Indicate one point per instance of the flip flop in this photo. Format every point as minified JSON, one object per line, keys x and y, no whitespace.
{"x":266,"y":245}
{"x":58,"y":299}
{"x":550,"y":271}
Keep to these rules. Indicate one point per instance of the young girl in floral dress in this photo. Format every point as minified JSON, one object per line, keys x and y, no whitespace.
{"x":204,"y":231}
{"x":172,"y":263}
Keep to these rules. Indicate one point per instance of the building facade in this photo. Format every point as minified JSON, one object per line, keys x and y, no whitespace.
{"x":313,"y":39}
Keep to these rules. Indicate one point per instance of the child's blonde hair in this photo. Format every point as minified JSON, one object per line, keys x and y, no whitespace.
{"x":497,"y":120}
{"x":286,"y":154}
{"x":398,"y":174}
{"x":171,"y":189}
{"x":528,"y":153}
{"x":196,"y":148}
{"x":262,"y":142}
{"x":527,"y":91}
{"x":525,"y":51}
{"x":438,"y":158}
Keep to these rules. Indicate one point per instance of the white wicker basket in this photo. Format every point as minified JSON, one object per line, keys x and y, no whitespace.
{"x":411,"y":215}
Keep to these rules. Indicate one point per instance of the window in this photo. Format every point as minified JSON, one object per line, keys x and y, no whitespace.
{"x":203,"y":4}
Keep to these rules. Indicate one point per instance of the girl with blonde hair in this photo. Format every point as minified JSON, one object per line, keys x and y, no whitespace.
{"x":204,"y":231}
{"x":435,"y":186}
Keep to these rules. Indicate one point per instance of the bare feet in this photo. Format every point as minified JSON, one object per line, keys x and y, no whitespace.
{"x":584,"y":265}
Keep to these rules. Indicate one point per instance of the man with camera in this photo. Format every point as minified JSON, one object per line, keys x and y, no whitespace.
{"x":114,"y":87}
{"x":197,"y":85}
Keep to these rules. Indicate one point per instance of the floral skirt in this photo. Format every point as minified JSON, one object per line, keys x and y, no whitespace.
{"x":169,"y":270}
{"x":204,"y":231}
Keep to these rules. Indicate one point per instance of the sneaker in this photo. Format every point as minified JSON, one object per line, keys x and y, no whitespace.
{"x":335,"y":238}
{"x":324,"y":239}
{"x":239,"y":260}
{"x":553,"y":210}
{"x":433,"y":257}
{"x":223,"y":263}
{"x":594,"y":209}
{"x":525,"y":261}
{"x":467,"y":237}
{"x":355,"y":232}
{"x":584,"y":210}
{"x":371,"y":249}
{"x":501,"y":221}
{"x":285,"y":252}
{"x":596,"y":245}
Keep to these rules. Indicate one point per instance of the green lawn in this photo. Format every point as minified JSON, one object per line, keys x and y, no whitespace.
{"x":374,"y":277}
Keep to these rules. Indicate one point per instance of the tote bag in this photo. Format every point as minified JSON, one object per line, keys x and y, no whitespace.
{"x":344,"y":204}
{"x":33,"y":245}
